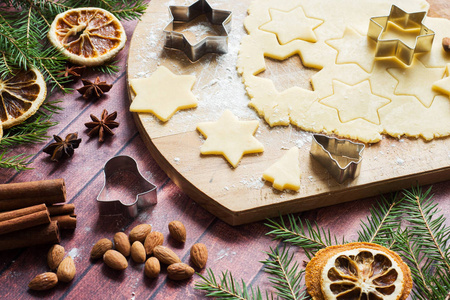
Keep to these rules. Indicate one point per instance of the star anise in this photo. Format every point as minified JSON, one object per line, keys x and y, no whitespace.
{"x":63,"y":148}
{"x":102,"y":126}
{"x":94,"y":89}
{"x":72,"y":71}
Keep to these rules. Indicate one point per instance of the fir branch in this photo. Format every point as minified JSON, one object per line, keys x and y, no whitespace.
{"x":384,"y":219}
{"x":228,"y":288}
{"x":428,"y":229}
{"x":109,"y":68}
{"x":17,"y":162}
{"x":312,"y":241}
{"x":286,"y":274}
{"x":410,"y":252}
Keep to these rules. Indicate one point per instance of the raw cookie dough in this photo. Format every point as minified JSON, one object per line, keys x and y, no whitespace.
{"x":230,"y":137}
{"x":285,"y":173}
{"x":443,"y":85}
{"x":163,"y":93}
{"x":406,"y":102}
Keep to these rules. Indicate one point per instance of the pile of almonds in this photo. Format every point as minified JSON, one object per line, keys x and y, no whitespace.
{"x":142,"y":242}
{"x":65,"y":270}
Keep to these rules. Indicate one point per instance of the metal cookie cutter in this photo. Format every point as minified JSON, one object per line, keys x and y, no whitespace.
{"x":396,"y":47}
{"x":342,"y":158}
{"x":209,"y":44}
{"x":121,"y":172}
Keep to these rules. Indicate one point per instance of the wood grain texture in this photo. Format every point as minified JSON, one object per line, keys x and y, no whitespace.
{"x":234,"y":248}
{"x":238,"y":195}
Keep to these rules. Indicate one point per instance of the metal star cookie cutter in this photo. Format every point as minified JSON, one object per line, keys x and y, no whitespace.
{"x":396,"y":47}
{"x":116,"y":171}
{"x":341,"y":157}
{"x":209,"y":44}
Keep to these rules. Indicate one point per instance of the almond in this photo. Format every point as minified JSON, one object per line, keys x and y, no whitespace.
{"x":446,"y":44}
{"x":139,"y":233}
{"x":55,"y":256}
{"x":152,"y":267}
{"x":179,"y":271}
{"x":199,"y":255}
{"x":152,"y":240}
{"x":122,"y":243}
{"x":177,"y":231}
{"x":165,"y":255}
{"x":100,"y":248}
{"x":66,"y":270}
{"x":43,"y":281}
{"x":115,"y":260}
{"x":138,"y":252}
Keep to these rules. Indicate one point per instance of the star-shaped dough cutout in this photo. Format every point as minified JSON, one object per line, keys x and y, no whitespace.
{"x":354,"y":48}
{"x":443,"y":85}
{"x":291,"y":25}
{"x":163,"y":93}
{"x":285,"y":173}
{"x":355,"y":101}
{"x":417,"y":80}
{"x":230,"y":137}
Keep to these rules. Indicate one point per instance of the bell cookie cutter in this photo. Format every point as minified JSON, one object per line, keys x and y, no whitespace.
{"x":114,"y":169}
{"x":209,"y":44}
{"x":342,"y":158}
{"x":396,"y":47}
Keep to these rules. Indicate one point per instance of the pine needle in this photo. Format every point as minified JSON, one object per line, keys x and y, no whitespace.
{"x":286,"y":276}
{"x":17,"y":162}
{"x":384,"y":220}
{"x":226,"y":287}
{"x":310,"y":237}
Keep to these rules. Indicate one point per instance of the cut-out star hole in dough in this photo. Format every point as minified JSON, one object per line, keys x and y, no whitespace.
{"x":230,"y":137}
{"x":285,"y":173}
{"x":291,"y":25}
{"x":354,"y":48}
{"x":163,"y":93}
{"x":417,"y":80}
{"x":443,"y":85}
{"x":357,"y":101}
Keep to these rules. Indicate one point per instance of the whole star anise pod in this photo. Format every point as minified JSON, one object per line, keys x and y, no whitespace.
{"x":102,"y":126}
{"x":72,"y":71}
{"x":94,"y":89}
{"x":63,"y":148}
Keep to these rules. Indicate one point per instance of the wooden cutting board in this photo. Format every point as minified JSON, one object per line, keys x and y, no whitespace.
{"x":239,"y":195}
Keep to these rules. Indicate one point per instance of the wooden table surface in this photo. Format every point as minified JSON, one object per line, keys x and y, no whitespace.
{"x":238,"y":249}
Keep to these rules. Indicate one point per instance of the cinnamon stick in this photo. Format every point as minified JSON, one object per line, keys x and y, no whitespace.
{"x":19,"y":195}
{"x":38,"y":235}
{"x":66,"y":221}
{"x":64,"y":209}
{"x":21,"y":212}
{"x":23,"y":222}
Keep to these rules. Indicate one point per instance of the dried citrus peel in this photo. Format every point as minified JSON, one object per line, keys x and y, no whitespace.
{"x":358,"y":271}
{"x":88,"y":36}
{"x":21,"y":96}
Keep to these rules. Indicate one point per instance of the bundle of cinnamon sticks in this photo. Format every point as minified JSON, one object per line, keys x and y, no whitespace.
{"x":30,"y":213}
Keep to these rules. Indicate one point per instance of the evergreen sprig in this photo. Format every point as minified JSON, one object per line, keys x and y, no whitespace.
{"x":17,"y":162}
{"x":410,"y":224}
{"x":308,"y":236}
{"x":226,"y":287}
{"x":285,"y":274}
{"x":383,"y":222}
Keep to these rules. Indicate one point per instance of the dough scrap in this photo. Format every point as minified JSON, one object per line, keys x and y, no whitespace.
{"x":285,"y":172}
{"x":342,"y":53}
{"x":163,"y":93}
{"x":230,"y":137}
{"x":443,"y":85}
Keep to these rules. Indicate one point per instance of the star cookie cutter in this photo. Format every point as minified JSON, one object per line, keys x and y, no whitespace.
{"x":396,"y":47}
{"x":209,"y":44}
{"x":123,"y":169}
{"x":342,"y":158}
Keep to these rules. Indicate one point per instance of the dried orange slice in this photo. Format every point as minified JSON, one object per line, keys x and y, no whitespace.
{"x":88,"y":36}
{"x":21,"y":95}
{"x":358,"y":271}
